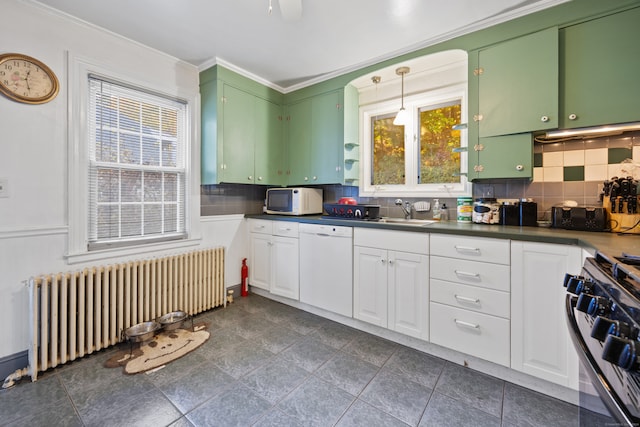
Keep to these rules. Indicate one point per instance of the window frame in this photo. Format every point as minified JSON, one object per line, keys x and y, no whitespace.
{"x":413,"y":104}
{"x":79,"y":70}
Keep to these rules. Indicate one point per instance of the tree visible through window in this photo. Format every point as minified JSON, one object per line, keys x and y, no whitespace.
{"x":437,"y":163}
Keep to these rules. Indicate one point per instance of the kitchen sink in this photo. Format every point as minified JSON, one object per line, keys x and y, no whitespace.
{"x":413,"y":222}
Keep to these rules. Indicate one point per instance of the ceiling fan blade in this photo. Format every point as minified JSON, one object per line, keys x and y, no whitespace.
{"x":291,"y":9}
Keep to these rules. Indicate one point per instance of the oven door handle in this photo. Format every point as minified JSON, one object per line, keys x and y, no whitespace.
{"x":607,"y":394}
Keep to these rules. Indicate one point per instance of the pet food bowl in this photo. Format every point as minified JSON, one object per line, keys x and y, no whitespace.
{"x":142,"y":331}
{"x":173,"y":320}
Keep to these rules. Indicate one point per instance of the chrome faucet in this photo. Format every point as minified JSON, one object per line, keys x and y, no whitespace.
{"x":406,"y":208}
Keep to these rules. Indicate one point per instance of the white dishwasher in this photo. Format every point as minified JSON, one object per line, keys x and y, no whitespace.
{"x":326,"y":267}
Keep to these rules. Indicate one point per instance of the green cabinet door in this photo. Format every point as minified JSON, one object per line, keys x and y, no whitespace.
{"x":209,"y":114}
{"x":507,"y":156}
{"x":518,"y":85}
{"x":327,"y":138}
{"x":268,"y":143}
{"x":600,"y":63}
{"x":238,"y":136}
{"x":299,"y":142}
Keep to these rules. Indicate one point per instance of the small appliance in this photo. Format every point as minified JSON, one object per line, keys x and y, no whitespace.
{"x":579,"y":218}
{"x":294,"y":201}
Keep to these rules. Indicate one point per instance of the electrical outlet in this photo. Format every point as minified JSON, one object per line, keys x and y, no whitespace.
{"x":4,"y":187}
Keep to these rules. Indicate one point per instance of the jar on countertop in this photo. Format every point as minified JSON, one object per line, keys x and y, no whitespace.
{"x":486,"y":211}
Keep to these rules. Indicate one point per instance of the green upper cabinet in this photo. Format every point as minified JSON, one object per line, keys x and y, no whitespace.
{"x":239,"y":133}
{"x":327,"y":138}
{"x":506,"y":156}
{"x":242,"y":133}
{"x":269,"y":143}
{"x":315,"y":139}
{"x":600,"y":60}
{"x":517,"y":85}
{"x":298,"y":123}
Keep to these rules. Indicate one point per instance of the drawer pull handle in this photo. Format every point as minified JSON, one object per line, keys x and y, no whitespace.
{"x":467,"y":249}
{"x":467,"y":324}
{"x":467,"y":299}
{"x":469,"y":275}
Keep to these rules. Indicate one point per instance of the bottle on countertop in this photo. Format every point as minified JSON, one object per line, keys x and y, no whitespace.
{"x":437,"y":213}
{"x":444,"y":213}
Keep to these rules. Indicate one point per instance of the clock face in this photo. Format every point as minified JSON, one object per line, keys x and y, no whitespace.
{"x":25,"y":79}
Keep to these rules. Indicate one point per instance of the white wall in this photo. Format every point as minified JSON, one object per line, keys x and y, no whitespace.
{"x":34,"y":224}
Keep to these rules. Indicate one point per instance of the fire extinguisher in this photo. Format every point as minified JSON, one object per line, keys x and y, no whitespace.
{"x":244,"y":273}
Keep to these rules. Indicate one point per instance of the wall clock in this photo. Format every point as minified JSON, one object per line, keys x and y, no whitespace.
{"x":25,"y":79}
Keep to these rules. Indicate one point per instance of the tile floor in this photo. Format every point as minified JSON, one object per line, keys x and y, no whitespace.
{"x":268,"y":364}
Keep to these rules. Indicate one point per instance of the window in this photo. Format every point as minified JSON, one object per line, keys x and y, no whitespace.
{"x":418,"y":158}
{"x":137,"y":171}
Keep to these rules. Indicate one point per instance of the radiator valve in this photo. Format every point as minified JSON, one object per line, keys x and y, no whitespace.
{"x":230,"y":296}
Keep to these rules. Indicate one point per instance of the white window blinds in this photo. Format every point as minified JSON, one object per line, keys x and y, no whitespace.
{"x":137,"y":175}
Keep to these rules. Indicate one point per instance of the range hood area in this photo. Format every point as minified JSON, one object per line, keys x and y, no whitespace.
{"x":587,"y":132}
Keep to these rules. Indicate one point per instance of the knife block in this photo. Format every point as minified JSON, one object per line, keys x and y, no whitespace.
{"x":622,"y":222}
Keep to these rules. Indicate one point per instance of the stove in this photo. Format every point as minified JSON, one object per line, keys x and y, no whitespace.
{"x":603,"y":314}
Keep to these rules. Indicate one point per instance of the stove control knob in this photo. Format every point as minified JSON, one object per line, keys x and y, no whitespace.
{"x":585,"y":286}
{"x":622,"y":352}
{"x":602,"y":327}
{"x":584,"y":302}
{"x":571,"y":282}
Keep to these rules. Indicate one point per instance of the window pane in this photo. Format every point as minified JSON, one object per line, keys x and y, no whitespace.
{"x":170,"y":218}
{"x":131,"y":220}
{"x":388,"y":151}
{"x":129,"y":149}
{"x":170,"y":187}
{"x":152,"y":219}
{"x":108,"y":220}
{"x":150,"y":151}
{"x":131,"y":186}
{"x":108,"y":185}
{"x":153,"y":186}
{"x":438,"y":163}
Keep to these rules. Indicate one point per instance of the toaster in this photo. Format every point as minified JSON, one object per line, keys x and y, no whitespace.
{"x":579,"y":218}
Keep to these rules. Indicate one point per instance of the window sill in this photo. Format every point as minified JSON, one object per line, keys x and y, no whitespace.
{"x":149,"y":249}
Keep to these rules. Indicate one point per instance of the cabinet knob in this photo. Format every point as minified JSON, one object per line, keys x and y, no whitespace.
{"x":259,"y":178}
{"x":573,"y":116}
{"x":315,"y":178}
{"x":519,"y":167}
{"x":390,"y":262}
{"x":250,"y":178}
{"x":477,"y":117}
{"x":544,"y":119}
{"x":383,"y":260}
{"x":306,"y":178}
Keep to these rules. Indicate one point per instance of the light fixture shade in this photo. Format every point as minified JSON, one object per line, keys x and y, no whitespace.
{"x":402,"y":118}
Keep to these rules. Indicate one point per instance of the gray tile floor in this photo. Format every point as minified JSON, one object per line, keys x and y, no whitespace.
{"x":268,"y":364}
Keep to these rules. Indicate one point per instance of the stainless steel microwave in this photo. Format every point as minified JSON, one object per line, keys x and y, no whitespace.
{"x":294,"y":201}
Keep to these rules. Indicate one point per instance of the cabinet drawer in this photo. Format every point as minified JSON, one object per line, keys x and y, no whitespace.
{"x":403,"y":241}
{"x":486,"y":275}
{"x":285,"y":228}
{"x":477,"y":334}
{"x":472,"y":248}
{"x":487,"y":301}
{"x":260,"y":226}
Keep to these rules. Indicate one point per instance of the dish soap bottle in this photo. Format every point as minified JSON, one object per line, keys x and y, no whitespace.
{"x":444,"y":213}
{"x":436,"y":210}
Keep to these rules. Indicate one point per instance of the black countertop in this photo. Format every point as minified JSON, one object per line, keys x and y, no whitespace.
{"x":612,"y":243}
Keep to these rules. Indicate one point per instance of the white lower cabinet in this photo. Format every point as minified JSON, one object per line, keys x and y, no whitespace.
{"x":540,"y":342}
{"x":274,"y":256}
{"x":391,"y":287}
{"x":470,"y":296}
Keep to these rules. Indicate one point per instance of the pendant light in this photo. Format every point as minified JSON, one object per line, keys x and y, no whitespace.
{"x":402,"y":118}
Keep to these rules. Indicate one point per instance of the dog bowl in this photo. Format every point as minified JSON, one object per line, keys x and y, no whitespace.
{"x":173,"y":320}
{"x":142,"y":331}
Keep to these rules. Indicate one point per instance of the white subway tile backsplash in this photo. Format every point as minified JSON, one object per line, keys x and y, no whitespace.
{"x":636,"y":153}
{"x":553,"y":159}
{"x":553,"y":173}
{"x":574,"y":158}
{"x":595,"y":173}
{"x":538,"y":175}
{"x":596,"y":156}
{"x":614,"y":170}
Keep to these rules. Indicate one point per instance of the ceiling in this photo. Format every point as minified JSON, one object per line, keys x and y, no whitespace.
{"x":331,"y":37}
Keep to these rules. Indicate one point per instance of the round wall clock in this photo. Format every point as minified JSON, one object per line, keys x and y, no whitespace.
{"x":25,"y":79}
